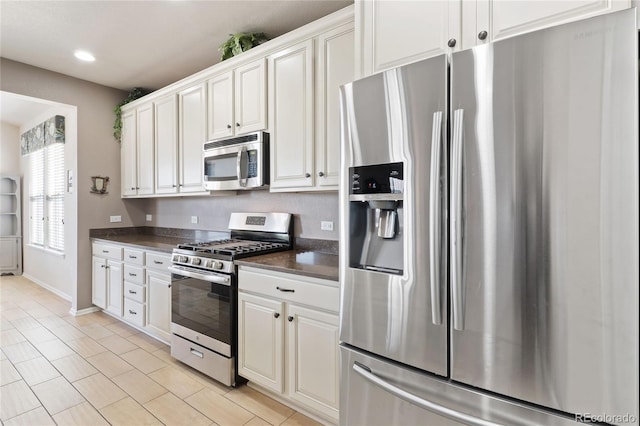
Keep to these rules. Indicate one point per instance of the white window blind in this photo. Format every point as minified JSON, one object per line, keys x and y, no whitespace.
{"x":55,"y":196}
{"x":46,"y":194}
{"x":36,"y":197}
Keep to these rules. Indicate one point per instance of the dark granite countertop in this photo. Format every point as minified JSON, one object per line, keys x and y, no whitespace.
{"x":143,"y":241}
{"x":308,"y":263}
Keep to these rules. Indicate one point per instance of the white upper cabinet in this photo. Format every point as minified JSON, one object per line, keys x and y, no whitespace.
{"x":145,"y":150}
{"x":393,"y":33}
{"x":237,"y":101}
{"x":192,"y":124}
{"x":334,"y":67}
{"x":166,"y":158}
{"x":291,"y":116}
{"x":128,"y":154}
{"x":137,"y":150}
{"x":250,"y":97}
{"x":220,"y":106}
{"x":502,"y":19}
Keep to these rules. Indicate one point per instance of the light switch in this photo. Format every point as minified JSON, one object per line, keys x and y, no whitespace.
{"x":326,"y":225}
{"x":149,"y":218}
{"x":115,"y":218}
{"x":194,"y":219}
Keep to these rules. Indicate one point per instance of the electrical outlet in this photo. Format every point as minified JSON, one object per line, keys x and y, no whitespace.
{"x":326,"y":225}
{"x":194,"y":219}
{"x":115,"y":219}
{"x":149,"y":218}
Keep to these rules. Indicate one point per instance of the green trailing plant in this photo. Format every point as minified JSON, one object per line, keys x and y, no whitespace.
{"x":241,"y":42}
{"x":134,"y":94}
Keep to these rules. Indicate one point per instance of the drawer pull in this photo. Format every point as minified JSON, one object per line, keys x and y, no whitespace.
{"x":158,"y":262}
{"x":133,"y":292}
{"x":105,"y":251}
{"x":133,"y":312}
{"x":132,"y":257}
{"x":131,"y":274}
{"x":286,"y":290}
{"x":196,"y":353}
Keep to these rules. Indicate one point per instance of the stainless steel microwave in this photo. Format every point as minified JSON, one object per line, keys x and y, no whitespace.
{"x":237,"y":163}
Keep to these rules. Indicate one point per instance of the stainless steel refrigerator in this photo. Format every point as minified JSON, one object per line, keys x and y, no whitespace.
{"x":489,"y":233}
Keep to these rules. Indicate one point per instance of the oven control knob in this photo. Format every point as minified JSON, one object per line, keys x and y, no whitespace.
{"x":183,"y":259}
{"x":208,"y":264}
{"x":196,"y":261}
{"x":218,"y":265}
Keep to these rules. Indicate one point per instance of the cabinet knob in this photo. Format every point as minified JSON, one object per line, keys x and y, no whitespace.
{"x":307,"y":175}
{"x":237,"y":124}
{"x":321,"y":174}
{"x":137,"y":188}
{"x":482,"y":35}
{"x":228,"y":126}
{"x":290,"y":318}
{"x":276,"y":315}
{"x":133,"y":189}
{"x":174,"y":186}
{"x":451,"y":42}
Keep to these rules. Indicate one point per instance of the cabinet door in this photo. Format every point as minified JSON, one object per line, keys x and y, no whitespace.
{"x":114,"y":287}
{"x":260,"y":341}
{"x":313,"y":359}
{"x":159,"y":304}
{"x":250,"y":99}
{"x":145,"y":150}
{"x":335,"y":67}
{"x":395,"y":33}
{"x":291,"y":116}
{"x":192,"y":129}
{"x":502,"y":19}
{"x":99,"y":282}
{"x":9,"y":254}
{"x":220,"y":106}
{"x":128,"y":154}
{"x":166,"y":158}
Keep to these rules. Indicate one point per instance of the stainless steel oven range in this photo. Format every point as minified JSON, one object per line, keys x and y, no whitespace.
{"x":204,"y":291}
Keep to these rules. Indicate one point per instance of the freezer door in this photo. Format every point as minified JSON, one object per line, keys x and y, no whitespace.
{"x":375,"y":392}
{"x":544,"y":217}
{"x":397,"y":117}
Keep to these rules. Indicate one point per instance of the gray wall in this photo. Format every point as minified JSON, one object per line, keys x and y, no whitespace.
{"x":97,"y":154}
{"x":9,"y":150}
{"x":213,"y":212}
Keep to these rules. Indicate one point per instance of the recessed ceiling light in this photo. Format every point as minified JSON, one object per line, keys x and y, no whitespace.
{"x":83,"y":55}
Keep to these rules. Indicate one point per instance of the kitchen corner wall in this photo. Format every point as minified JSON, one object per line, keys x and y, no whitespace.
{"x":213,"y":211}
{"x":97,"y":154}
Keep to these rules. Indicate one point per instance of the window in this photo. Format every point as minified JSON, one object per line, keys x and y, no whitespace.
{"x":46,"y":197}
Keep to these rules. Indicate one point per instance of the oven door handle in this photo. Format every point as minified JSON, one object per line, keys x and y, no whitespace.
{"x":212,"y":278}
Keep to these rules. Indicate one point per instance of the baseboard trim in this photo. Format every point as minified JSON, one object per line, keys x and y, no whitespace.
{"x":84,"y":311}
{"x":46,"y":286}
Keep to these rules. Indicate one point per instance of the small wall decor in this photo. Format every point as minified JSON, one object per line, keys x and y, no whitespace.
{"x":99,"y":184}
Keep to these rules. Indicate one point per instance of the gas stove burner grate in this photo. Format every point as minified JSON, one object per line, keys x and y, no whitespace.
{"x":233,"y":247}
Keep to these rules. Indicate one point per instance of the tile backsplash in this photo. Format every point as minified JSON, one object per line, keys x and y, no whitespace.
{"x":212,"y":212}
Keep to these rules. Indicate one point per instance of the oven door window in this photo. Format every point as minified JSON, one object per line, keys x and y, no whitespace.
{"x":221,"y":167}
{"x":202,"y":306}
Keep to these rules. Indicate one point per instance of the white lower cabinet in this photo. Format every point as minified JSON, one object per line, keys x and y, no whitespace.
{"x":136,"y":289}
{"x":159,"y":303}
{"x":288,"y":338}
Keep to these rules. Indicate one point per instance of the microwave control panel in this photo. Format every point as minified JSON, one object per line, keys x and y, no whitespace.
{"x":252,"y":164}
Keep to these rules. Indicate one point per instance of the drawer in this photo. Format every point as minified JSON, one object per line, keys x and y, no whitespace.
{"x":210,"y":363}
{"x":134,"y":312}
{"x":314,"y":292}
{"x":107,"y":251}
{"x":134,"y":292}
{"x":133,"y":274}
{"x":135,"y":257}
{"x":158,"y":261}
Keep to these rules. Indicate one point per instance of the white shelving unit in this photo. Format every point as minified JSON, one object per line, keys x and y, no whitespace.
{"x":10,"y":229}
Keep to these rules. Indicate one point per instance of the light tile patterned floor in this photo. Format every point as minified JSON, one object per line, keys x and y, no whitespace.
{"x":94,"y":370}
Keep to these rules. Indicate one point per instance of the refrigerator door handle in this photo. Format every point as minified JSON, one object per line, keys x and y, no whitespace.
{"x":456,"y":220}
{"x":366,"y":373}
{"x":434,"y":218}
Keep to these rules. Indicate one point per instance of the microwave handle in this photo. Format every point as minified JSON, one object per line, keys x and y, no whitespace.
{"x":243,"y":160}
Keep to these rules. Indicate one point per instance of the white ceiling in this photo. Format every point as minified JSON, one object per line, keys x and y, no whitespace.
{"x":141,"y":43}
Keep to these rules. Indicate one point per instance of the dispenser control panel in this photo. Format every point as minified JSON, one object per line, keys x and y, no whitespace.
{"x":377,"y":179}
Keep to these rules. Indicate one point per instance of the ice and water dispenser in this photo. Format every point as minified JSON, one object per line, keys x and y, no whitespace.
{"x":376,"y":216}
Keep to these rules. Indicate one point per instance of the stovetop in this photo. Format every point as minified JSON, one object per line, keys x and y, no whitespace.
{"x":233,"y":248}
